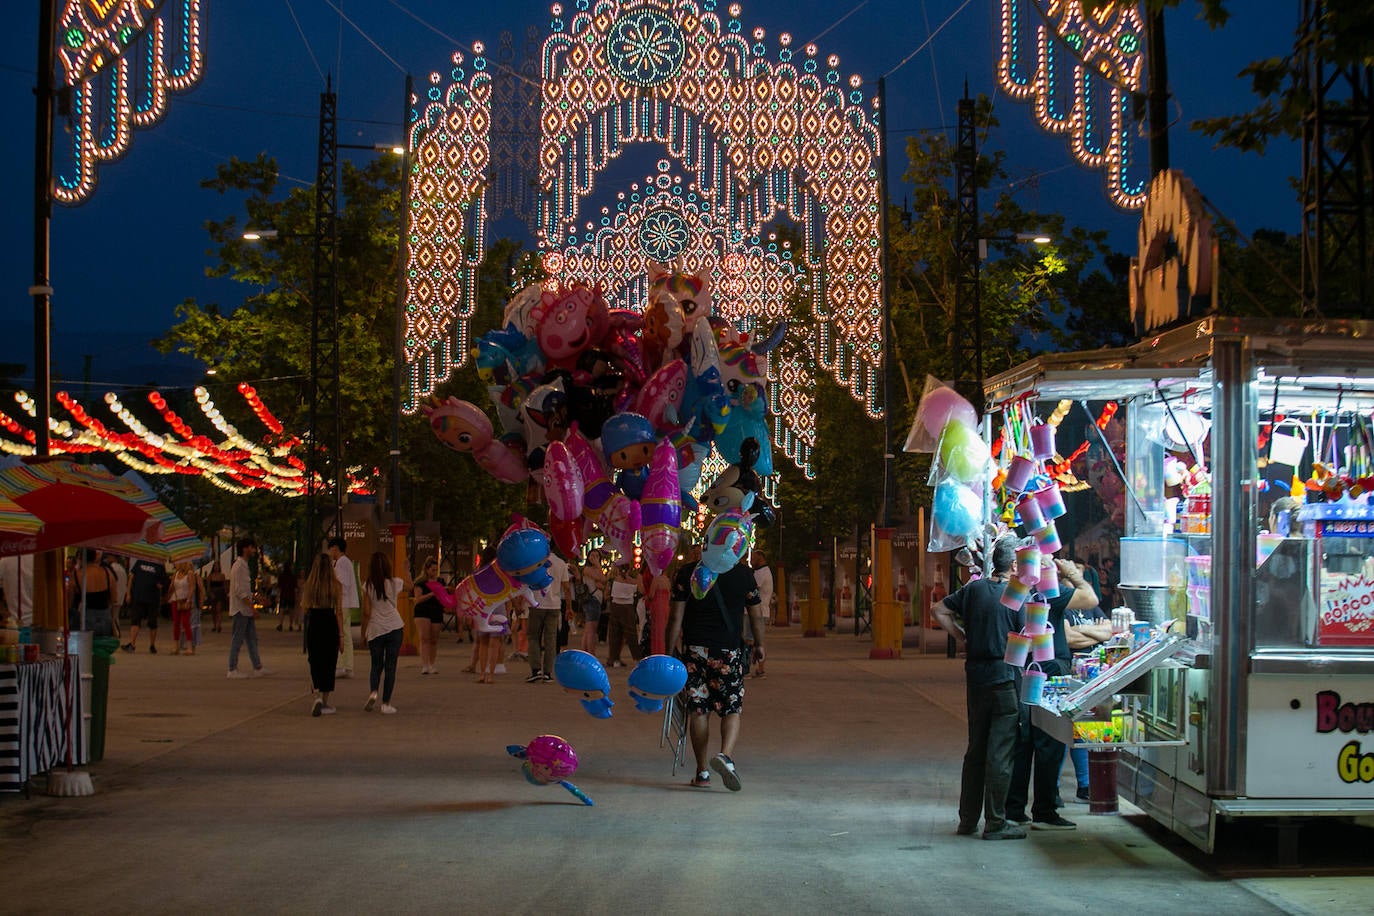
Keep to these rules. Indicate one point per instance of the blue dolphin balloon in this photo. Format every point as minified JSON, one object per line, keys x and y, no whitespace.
{"x":656,"y":679}
{"x":579,"y":672}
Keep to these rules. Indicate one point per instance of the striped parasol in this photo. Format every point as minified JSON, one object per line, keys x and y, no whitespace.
{"x":167,"y":540}
{"x":16,"y":520}
{"x":71,"y":504}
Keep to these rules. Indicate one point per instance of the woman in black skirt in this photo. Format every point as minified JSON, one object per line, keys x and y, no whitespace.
{"x":322,"y":597}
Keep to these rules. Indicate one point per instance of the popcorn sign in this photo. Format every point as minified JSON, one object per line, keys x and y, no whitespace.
{"x":1347,"y":613}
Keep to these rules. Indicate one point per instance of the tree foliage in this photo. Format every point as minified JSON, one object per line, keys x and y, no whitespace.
{"x":265,"y":340}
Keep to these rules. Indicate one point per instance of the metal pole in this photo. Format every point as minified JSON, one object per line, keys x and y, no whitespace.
{"x":886,"y":252}
{"x":398,"y":374}
{"x":1157,"y":98}
{"x":41,"y":290}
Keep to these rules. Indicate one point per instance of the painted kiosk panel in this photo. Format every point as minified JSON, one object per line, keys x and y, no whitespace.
{"x":1264,"y":706}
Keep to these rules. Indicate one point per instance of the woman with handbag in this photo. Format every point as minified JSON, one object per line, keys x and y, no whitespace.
{"x":186,"y":598}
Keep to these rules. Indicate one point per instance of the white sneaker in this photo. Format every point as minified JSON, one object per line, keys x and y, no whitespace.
{"x":388,"y":709}
{"x":261,"y":672}
{"x":343,"y":672}
{"x":424,"y":669}
{"x":371,"y":703}
{"x":235,"y":675}
{"x":327,"y":710}
{"x":499,"y":669}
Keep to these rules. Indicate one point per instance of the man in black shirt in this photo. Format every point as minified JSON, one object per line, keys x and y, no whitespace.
{"x":147,"y":588}
{"x":707,"y":633}
{"x":976,"y":615}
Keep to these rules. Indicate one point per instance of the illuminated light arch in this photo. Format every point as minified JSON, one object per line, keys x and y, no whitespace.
{"x":121,"y":59}
{"x":1079,"y":72}
{"x":762,"y":133}
{"x":449,"y":156}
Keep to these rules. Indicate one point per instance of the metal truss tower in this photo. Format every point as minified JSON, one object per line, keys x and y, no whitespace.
{"x":966,"y":335}
{"x":324,"y":467}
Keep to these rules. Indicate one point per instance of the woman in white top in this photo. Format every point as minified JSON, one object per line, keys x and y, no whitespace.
{"x":185,"y":608}
{"x":383,"y":629}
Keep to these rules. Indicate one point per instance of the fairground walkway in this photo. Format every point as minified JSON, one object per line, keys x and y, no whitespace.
{"x":226,"y":796}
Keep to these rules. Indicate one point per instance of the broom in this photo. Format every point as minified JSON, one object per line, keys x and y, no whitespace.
{"x":71,"y":783}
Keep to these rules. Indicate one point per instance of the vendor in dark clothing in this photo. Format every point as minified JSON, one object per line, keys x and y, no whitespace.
{"x":1036,"y":749}
{"x":976,"y":615}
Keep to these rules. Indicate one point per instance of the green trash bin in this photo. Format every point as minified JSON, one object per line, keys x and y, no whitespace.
{"x":102,"y":657}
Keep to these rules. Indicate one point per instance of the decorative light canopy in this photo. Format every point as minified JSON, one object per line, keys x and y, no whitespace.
{"x":765,"y":135}
{"x":1079,"y":71}
{"x":120,"y":60}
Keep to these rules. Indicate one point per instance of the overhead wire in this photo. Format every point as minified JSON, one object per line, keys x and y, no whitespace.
{"x":834,"y":24}
{"x":366,"y":37}
{"x":931,"y":37}
{"x":458,"y":44}
{"x":309,"y":50}
{"x":934,"y":65}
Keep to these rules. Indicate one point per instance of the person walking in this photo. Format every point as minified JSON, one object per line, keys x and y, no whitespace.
{"x":551,"y":604}
{"x":322,"y":597}
{"x":94,"y":585}
{"x":763,"y":576}
{"x":432,"y":599}
{"x":147,"y":590}
{"x":975,"y":614}
{"x":185,"y":595}
{"x":218,"y":585}
{"x":707,"y":633}
{"x":288,"y":605}
{"x":242,"y":614}
{"x":347,"y":575}
{"x":624,"y":623}
{"x":383,"y":629}
{"x":591,"y":600}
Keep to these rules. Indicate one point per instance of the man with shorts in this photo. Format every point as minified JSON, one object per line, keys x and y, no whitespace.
{"x":706,"y":634}
{"x":147,"y":586}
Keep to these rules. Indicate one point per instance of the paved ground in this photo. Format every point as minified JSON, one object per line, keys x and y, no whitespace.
{"x":220,"y":796}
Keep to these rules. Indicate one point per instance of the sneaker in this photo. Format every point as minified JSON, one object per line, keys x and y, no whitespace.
{"x":616,"y":664}
{"x":966,"y":830}
{"x":702,"y":780}
{"x":499,"y":669}
{"x":237,"y":675}
{"x":261,"y":672}
{"x":433,"y":671}
{"x":534,"y":678}
{"x":1053,"y":822}
{"x":152,"y":650}
{"x":371,"y":703}
{"x":327,"y":710}
{"x":317,"y":708}
{"x":388,"y":709}
{"x":1008,"y":832}
{"x":1083,"y":794}
{"x":1017,"y":818}
{"x":726,"y":768}
{"x":424,"y":672}
{"x":546,"y":677}
{"x":127,"y":647}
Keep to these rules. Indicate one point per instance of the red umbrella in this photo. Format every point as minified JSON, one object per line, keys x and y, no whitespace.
{"x":77,"y":504}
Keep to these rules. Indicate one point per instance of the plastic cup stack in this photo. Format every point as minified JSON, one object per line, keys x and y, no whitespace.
{"x":1019,"y":474}
{"x":1049,"y":579}
{"x":1047,"y":538}
{"x":1037,"y":618}
{"x":1028,"y":564}
{"x":1031,"y":514}
{"x":1015,"y":594}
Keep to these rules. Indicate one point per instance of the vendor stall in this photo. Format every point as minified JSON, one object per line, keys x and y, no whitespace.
{"x":40,"y":712}
{"x":1247,"y":563}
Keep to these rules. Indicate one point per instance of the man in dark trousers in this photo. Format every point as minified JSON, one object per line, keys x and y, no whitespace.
{"x":709,"y":632}
{"x":148,"y":583}
{"x":1037,"y":750}
{"x":976,"y":615}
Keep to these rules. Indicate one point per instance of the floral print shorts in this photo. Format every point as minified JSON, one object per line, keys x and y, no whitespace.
{"x":715,"y":680}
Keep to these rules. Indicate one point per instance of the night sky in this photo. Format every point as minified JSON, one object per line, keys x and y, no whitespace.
{"x":122,"y":261}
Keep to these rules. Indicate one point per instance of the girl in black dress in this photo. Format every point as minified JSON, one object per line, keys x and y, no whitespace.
{"x":432,"y":598}
{"x":322,"y":598}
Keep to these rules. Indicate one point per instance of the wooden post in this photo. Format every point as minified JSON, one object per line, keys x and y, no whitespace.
{"x":887,"y":613}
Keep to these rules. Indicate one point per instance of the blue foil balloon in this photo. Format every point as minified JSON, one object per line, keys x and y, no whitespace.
{"x":655,"y":679}
{"x":580,"y":672}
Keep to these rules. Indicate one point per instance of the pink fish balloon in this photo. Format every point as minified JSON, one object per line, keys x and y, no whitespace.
{"x":563,"y":484}
{"x":463,"y":427}
{"x":660,"y":508}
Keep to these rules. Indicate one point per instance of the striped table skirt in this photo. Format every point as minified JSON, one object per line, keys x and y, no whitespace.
{"x":36,"y":726}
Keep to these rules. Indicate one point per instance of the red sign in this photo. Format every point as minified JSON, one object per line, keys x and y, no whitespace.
{"x":1346,"y":616}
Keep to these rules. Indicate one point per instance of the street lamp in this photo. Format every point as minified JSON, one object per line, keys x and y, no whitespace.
{"x":1034,"y":238}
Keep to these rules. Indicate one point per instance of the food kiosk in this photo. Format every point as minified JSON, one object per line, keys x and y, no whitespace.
{"x":1256,"y":697}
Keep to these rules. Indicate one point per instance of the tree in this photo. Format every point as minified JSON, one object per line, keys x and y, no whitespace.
{"x":265,"y":341}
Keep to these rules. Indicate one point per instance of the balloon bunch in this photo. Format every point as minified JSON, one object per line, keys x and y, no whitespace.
{"x":614,"y":413}
{"x":655,"y":679}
